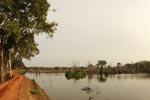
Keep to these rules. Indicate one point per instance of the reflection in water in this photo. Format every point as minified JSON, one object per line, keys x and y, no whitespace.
{"x":92,"y":93}
{"x":95,"y":87}
{"x":101,"y":78}
{"x":37,"y":74}
{"x":131,"y":76}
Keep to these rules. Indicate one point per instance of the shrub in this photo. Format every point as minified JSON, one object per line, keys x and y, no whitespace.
{"x":75,"y":74}
{"x":34,"y":82}
{"x":34,"y":91}
{"x":22,"y":72}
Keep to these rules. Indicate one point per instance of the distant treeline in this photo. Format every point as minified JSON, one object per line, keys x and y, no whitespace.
{"x":100,"y":68}
{"x":138,"y":67}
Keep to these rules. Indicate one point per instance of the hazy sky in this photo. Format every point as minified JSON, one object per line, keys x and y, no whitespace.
{"x":91,"y":30}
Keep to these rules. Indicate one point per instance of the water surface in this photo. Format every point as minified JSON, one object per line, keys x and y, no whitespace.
{"x":115,"y":87}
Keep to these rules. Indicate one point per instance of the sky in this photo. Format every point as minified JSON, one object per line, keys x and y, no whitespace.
{"x":92,"y":30}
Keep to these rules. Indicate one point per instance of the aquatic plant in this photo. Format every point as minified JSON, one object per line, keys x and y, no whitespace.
{"x":75,"y":74}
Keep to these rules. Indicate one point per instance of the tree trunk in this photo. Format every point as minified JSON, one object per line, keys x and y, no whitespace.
{"x":1,"y":66}
{"x":9,"y":65}
{"x":101,"y":70}
{"x":7,"y":70}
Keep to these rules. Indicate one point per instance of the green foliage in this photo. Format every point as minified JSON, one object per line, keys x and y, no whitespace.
{"x":22,"y":72}
{"x":20,"y":22}
{"x":101,"y":63}
{"x":35,"y":91}
{"x":34,"y":82}
{"x":75,"y":74}
{"x":17,"y":64}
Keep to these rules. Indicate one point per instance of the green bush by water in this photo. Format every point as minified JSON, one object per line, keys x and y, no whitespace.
{"x":35,"y":91}
{"x":34,"y":82}
{"x":22,"y":72}
{"x":75,"y":74}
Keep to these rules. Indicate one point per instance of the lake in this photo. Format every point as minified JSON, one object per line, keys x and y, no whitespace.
{"x":94,"y":87}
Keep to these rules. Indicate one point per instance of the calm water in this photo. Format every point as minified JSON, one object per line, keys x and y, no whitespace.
{"x":117,"y":87}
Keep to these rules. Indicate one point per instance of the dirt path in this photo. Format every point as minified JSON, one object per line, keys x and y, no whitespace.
{"x":10,"y":90}
{"x":19,"y":87}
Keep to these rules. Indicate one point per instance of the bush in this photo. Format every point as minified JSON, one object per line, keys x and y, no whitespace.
{"x":34,"y":91}
{"x":22,"y":72}
{"x":34,"y":82}
{"x":75,"y":74}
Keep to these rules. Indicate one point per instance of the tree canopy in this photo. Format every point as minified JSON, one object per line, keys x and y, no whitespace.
{"x":20,"y":21}
{"x":101,"y":63}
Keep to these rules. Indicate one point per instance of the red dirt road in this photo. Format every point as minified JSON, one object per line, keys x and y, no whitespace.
{"x":10,"y":90}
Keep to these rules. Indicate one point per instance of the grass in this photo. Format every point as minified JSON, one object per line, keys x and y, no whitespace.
{"x":35,"y":91}
{"x":34,"y":82}
{"x":22,"y":72}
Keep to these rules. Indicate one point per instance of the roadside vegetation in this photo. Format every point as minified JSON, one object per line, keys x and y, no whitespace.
{"x":35,"y":91}
{"x":33,"y":81}
{"x":22,"y":72}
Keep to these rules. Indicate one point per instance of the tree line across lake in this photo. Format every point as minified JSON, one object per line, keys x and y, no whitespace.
{"x":100,"y":68}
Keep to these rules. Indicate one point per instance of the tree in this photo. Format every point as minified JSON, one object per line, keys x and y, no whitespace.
{"x":118,"y":64}
{"x":100,"y":64}
{"x":17,"y":64}
{"x":20,"y":21}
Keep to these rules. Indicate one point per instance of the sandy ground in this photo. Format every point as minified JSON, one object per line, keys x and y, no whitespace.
{"x":19,"y":87}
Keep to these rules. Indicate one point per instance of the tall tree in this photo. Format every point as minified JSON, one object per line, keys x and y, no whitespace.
{"x":20,"y":21}
{"x":118,"y":64}
{"x":100,"y":64}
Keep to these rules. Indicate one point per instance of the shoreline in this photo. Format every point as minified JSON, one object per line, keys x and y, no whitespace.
{"x":25,"y":91}
{"x":20,"y":87}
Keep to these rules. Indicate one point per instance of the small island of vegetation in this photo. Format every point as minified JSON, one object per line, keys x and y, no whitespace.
{"x":75,"y":74}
